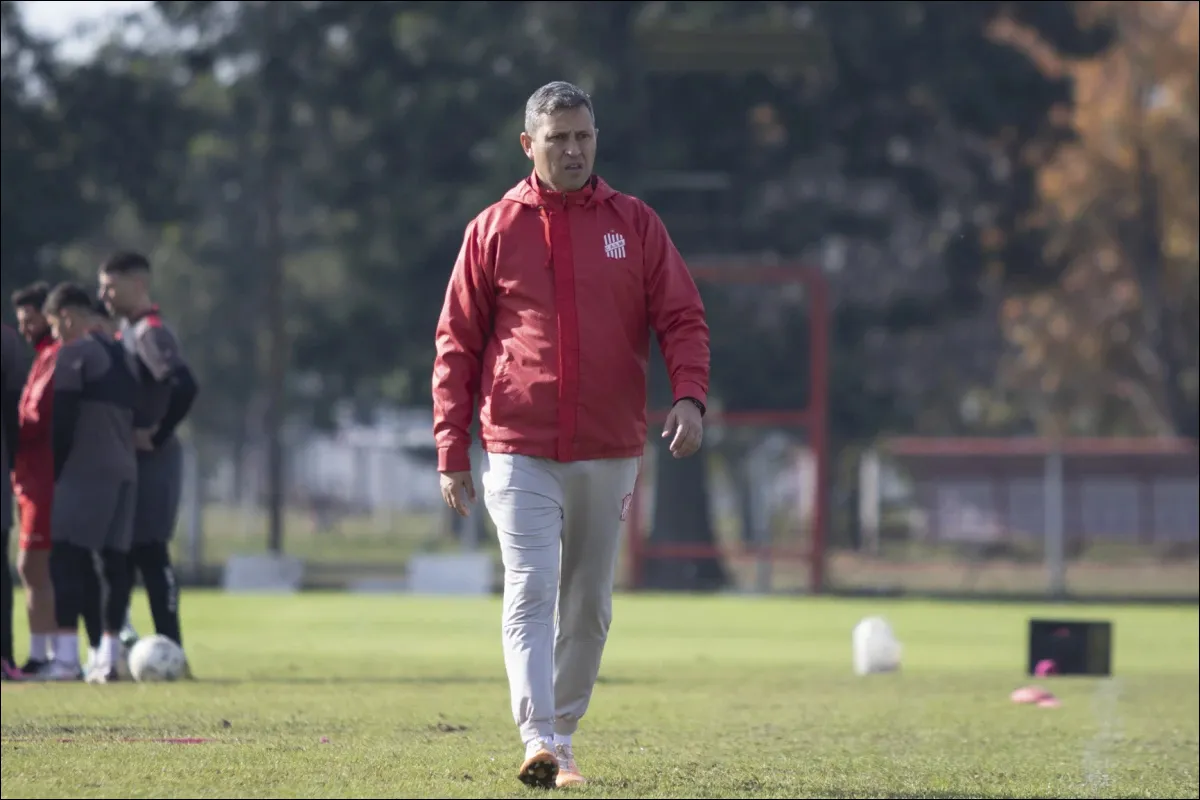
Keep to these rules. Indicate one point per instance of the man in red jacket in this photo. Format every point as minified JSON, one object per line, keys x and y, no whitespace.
{"x":547,"y":322}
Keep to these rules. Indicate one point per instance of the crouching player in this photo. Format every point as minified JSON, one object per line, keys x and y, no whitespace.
{"x":95,"y":468}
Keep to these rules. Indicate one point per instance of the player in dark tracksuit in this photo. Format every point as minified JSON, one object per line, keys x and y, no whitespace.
{"x":96,"y":390}
{"x":14,"y":363}
{"x":168,"y":392}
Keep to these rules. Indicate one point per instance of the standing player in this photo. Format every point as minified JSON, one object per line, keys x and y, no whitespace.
{"x":33,"y":482}
{"x":169,"y":389}
{"x":547,"y":321}
{"x":95,"y":392}
{"x":33,"y":476}
{"x":13,"y":361}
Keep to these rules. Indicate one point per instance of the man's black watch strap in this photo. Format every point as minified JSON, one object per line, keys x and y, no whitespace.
{"x":696,"y":403}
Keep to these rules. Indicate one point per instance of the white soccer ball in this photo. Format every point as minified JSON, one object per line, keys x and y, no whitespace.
{"x":156,"y":658}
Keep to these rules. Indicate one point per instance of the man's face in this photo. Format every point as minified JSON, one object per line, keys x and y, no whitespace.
{"x":563,"y":148}
{"x":60,"y":324}
{"x":32,"y":323}
{"x":119,"y":292}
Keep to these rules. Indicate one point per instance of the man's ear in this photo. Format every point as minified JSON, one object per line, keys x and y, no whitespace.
{"x":527,"y":145}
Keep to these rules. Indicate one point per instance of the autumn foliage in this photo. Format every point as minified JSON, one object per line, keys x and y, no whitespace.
{"x":1112,"y":345}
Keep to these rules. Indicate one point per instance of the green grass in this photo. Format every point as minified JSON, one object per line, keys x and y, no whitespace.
{"x":700,"y":697}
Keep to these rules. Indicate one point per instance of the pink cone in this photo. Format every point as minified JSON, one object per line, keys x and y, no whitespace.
{"x":1045,"y":667}
{"x":1029,"y":695}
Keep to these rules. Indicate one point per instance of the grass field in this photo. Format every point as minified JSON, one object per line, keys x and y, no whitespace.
{"x":336,"y":695}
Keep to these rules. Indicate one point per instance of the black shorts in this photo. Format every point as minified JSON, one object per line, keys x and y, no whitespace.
{"x":160,"y":486}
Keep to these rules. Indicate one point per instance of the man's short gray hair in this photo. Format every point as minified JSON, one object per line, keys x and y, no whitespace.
{"x":554,"y":97}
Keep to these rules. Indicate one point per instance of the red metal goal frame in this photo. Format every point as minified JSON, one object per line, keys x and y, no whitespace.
{"x":814,"y":419}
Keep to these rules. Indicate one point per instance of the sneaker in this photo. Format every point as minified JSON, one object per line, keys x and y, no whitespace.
{"x":60,"y":671}
{"x":540,"y":768}
{"x":104,"y":674}
{"x":568,"y":770}
{"x":8,"y":672}
{"x":33,"y":666}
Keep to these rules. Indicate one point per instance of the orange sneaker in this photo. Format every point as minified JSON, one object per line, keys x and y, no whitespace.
{"x":540,"y":768}
{"x":568,"y":770}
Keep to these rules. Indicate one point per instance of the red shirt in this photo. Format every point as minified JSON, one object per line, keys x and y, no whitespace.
{"x":34,"y":470}
{"x":547,"y":323}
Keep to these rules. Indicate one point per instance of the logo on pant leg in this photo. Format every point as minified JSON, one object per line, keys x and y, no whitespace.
{"x":626,"y":502}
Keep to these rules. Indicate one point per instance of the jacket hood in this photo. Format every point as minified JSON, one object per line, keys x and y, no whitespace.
{"x":530,"y":192}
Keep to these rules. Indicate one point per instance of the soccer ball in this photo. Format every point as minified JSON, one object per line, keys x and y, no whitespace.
{"x":156,"y":658}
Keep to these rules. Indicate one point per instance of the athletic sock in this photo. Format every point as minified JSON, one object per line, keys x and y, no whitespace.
{"x":538,"y":743}
{"x":39,"y":647}
{"x":110,"y":650}
{"x":66,"y":649}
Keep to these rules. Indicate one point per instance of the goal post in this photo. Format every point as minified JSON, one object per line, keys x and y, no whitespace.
{"x":785,"y":448}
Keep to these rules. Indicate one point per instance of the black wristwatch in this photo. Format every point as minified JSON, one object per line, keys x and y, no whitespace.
{"x":696,"y":403}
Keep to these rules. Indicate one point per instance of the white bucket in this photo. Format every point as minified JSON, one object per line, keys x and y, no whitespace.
{"x":875,"y":647}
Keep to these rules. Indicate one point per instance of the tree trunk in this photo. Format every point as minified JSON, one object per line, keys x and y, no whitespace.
{"x":682,"y":516}
{"x":1145,"y":245}
{"x":275,"y":109}
{"x":1143,"y":240}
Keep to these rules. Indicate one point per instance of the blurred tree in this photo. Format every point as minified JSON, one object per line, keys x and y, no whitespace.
{"x":1113,"y":347}
{"x":893,"y":160}
{"x":894,"y":146}
{"x":61,"y":169}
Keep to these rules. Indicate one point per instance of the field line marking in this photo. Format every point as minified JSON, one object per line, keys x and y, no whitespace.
{"x":1099,"y":751}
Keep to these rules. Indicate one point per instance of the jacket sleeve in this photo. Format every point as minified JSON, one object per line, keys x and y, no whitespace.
{"x":462,"y":334}
{"x":69,"y":377}
{"x":676,"y":313}
{"x":36,"y":420}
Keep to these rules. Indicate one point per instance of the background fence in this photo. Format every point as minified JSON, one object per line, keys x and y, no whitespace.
{"x":1074,"y":517}
{"x":1023,"y":517}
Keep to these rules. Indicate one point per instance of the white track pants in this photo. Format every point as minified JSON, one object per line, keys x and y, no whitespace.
{"x":559,"y":526}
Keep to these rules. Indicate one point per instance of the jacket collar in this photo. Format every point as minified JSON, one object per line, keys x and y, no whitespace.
{"x":530,"y":192}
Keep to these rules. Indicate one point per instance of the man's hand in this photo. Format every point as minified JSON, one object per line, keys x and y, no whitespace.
{"x":458,"y":489}
{"x":687,"y":425}
{"x":144,"y":438}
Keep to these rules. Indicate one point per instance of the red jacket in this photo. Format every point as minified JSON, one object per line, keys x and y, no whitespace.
{"x":34,"y":470}
{"x":547,"y":321}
